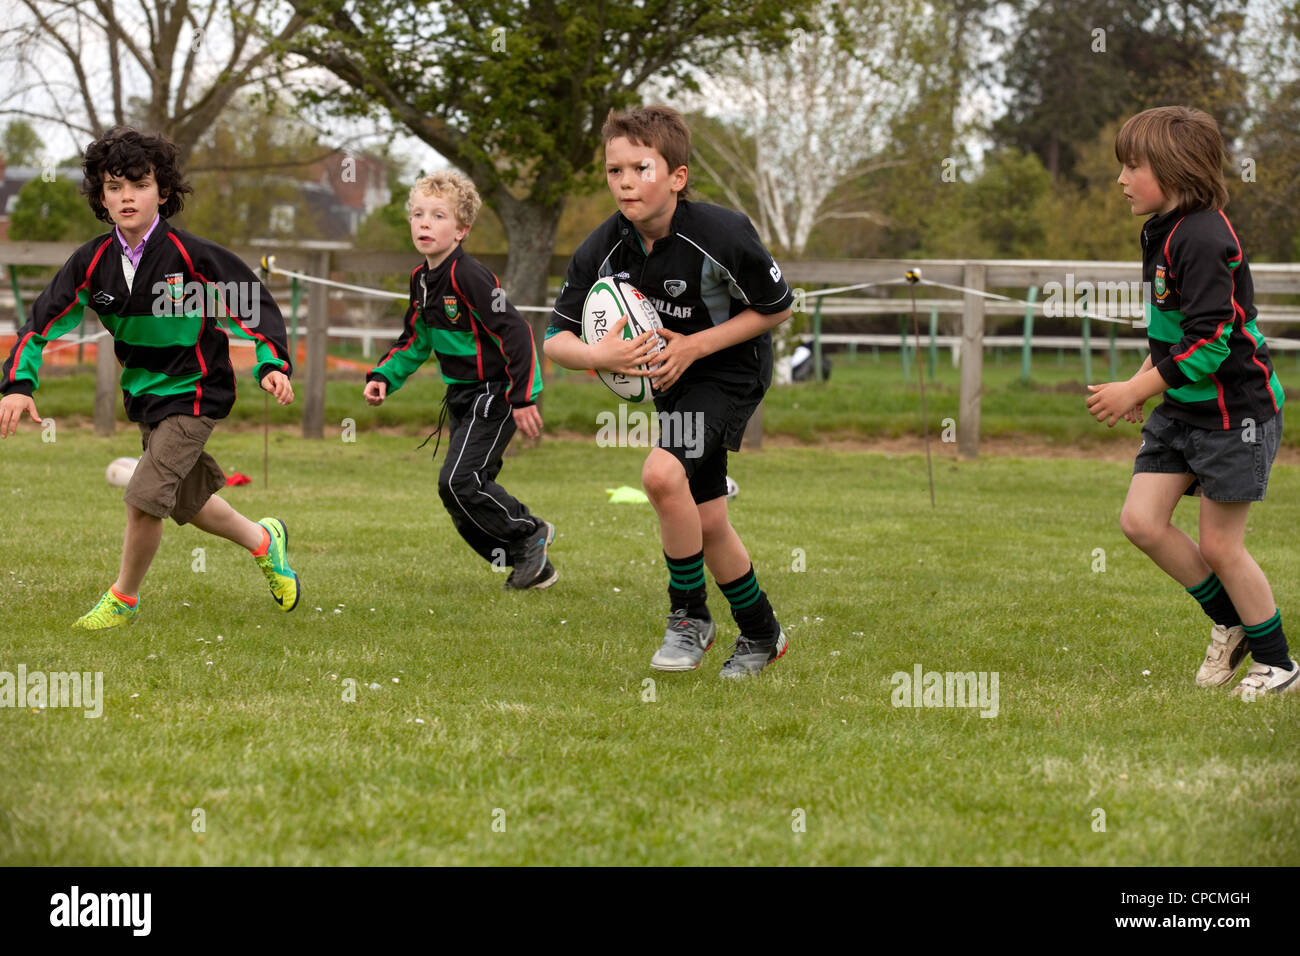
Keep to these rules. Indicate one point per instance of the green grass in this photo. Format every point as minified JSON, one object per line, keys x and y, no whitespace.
{"x":863,"y":400}
{"x":532,"y":704}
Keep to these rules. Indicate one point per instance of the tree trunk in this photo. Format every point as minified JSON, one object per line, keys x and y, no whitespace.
{"x":530,"y":231}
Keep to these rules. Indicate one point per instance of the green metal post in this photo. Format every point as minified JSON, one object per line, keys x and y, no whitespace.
{"x":1027,"y":348}
{"x":1086,"y":349}
{"x":19,"y":311}
{"x":902,"y":347}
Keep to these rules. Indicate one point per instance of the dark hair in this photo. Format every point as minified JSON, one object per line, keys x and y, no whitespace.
{"x":659,"y":127}
{"x":131,"y":154}
{"x":1184,"y":149}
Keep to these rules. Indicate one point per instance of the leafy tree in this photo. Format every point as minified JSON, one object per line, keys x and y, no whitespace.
{"x":514,"y":92}
{"x":20,"y":145}
{"x":53,"y":212}
{"x":1076,"y":66}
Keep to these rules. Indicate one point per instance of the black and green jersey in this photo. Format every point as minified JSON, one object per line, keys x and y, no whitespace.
{"x":710,"y":267}
{"x":165,"y":322}
{"x":460,"y":313}
{"x":1201,"y":322}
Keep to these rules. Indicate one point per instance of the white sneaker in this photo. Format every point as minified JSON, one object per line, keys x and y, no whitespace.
{"x":1223,"y":656}
{"x":1263,"y":679}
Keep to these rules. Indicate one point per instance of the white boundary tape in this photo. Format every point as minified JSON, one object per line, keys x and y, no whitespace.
{"x":957,"y":288}
{"x":268,"y":265}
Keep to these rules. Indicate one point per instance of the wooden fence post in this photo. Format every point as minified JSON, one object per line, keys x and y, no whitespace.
{"x":107,"y":393}
{"x":972,"y":358}
{"x":318,"y":322}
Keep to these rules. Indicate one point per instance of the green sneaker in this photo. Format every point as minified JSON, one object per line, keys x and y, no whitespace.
{"x":109,"y":612}
{"x":275,"y":565}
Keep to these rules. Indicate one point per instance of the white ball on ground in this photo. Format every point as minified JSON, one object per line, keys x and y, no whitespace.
{"x":120,"y":471}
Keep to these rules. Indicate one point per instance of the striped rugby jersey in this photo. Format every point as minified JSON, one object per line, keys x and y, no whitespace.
{"x":165,"y":322}
{"x":1201,"y":322}
{"x":460,"y":313}
{"x":711,"y":266}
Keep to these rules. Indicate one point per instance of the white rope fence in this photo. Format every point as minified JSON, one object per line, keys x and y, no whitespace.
{"x":269,"y":267}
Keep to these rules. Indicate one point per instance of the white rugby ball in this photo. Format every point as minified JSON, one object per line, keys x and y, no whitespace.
{"x":120,"y":471}
{"x":608,"y":299}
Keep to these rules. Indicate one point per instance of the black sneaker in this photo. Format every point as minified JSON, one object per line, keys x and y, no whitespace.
{"x":532,"y":569}
{"x":750,"y":657}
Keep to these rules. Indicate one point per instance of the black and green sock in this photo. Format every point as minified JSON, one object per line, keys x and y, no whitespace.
{"x":1268,"y":644}
{"x":686,"y":585}
{"x":750,"y":607}
{"x":1214,"y":601}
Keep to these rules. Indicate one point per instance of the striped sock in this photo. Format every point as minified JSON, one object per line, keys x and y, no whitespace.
{"x":1214,"y":601}
{"x":750,"y":607}
{"x":686,"y":585}
{"x":1268,"y":643}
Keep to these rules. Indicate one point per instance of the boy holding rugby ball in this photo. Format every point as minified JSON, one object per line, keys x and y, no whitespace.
{"x":719,"y":294}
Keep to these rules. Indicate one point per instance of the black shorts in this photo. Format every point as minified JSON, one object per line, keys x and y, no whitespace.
{"x":1230,"y":465}
{"x":698,"y":422}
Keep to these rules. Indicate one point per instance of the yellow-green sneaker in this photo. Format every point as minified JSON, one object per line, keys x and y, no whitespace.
{"x":109,"y":612}
{"x":275,"y":565}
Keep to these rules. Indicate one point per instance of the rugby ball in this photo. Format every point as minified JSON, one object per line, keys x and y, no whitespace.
{"x":120,"y":471}
{"x":608,"y":299}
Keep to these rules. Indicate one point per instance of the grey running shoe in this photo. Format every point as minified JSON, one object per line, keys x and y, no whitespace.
{"x":1263,"y":680}
{"x":750,"y":657}
{"x":532,"y":569}
{"x":685,"y":642}
{"x":1223,"y":656}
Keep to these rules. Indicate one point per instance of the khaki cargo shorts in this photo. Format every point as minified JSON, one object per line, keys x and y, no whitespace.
{"x":175,"y":476}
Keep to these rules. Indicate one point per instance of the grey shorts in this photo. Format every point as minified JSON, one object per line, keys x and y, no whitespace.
{"x":175,"y":476}
{"x":1231,"y":465}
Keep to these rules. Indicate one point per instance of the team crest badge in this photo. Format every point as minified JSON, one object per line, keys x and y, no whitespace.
{"x":1161,"y":287}
{"x":674,"y":287}
{"x":176,"y":285}
{"x":451,"y":307}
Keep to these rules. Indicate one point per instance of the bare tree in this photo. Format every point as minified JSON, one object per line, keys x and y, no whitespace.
{"x":799,"y":123}
{"x":170,"y":66}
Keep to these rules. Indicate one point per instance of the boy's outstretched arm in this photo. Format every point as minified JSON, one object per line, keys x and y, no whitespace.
{"x":612,"y":353}
{"x":12,"y":407}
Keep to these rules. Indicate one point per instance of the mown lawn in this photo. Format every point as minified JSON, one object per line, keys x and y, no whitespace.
{"x":493,"y":727}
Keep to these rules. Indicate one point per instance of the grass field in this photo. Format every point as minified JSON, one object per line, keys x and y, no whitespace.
{"x":493,"y":727}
